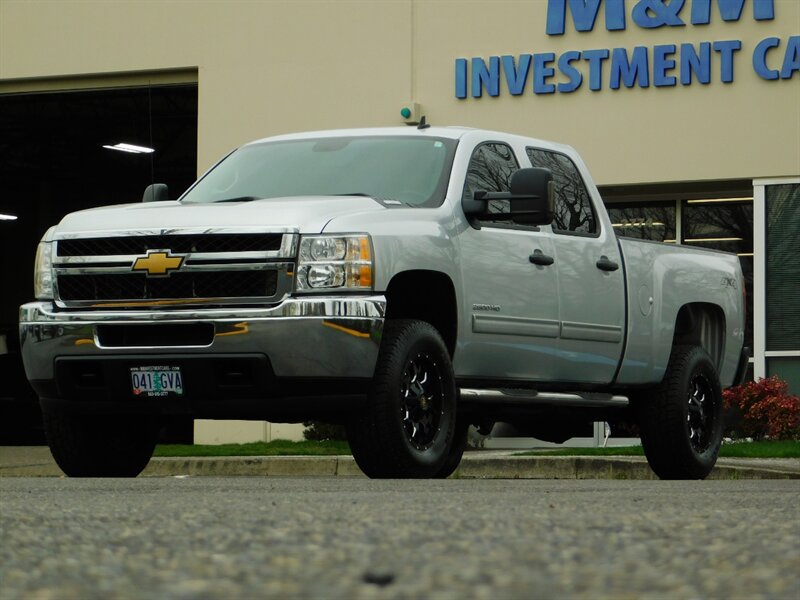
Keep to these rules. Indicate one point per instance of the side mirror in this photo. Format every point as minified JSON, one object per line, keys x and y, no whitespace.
{"x":532,"y":196}
{"x":156,"y":192}
{"x":530,"y":199}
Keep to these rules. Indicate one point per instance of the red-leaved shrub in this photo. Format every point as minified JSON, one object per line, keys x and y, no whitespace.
{"x":767,"y":409}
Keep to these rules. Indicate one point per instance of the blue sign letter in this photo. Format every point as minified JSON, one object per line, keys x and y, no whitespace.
{"x":516,"y":76}
{"x":629,"y":72}
{"x":481,"y":76}
{"x":565,"y":66}
{"x":541,"y":72}
{"x":657,"y":13}
{"x":461,"y":78}
{"x":731,"y":10}
{"x":595,"y":58}
{"x":726,"y":50}
{"x":584,"y":15}
{"x":700,"y":64}
{"x":760,"y":58}
{"x":663,"y":62}
{"x":791,"y":62}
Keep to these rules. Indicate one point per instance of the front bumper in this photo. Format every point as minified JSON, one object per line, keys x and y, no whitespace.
{"x":302,"y":338}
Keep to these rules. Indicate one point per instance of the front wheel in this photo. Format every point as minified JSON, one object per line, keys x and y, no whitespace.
{"x":681,"y":421}
{"x":407,"y":427}
{"x":94,"y":446}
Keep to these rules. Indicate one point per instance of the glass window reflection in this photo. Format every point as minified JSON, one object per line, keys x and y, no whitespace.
{"x":572,"y":206}
{"x":651,"y":221}
{"x":720,"y":224}
{"x":490,"y":170}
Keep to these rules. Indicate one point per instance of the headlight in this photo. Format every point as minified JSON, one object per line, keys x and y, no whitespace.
{"x":329,"y":262}
{"x":43,"y":272}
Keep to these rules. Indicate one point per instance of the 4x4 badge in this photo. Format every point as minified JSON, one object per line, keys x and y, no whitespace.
{"x":158,"y":263}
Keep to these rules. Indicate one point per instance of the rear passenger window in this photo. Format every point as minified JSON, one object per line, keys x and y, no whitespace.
{"x":573,"y":207}
{"x":490,"y":169}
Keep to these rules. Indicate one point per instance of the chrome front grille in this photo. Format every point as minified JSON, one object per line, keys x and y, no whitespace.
{"x":178,"y":243}
{"x":211,"y":284}
{"x":217,"y":268}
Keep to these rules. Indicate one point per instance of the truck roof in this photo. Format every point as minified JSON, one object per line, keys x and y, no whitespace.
{"x":452,"y":132}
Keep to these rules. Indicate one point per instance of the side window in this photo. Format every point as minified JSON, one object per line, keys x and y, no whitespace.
{"x":573,"y":207}
{"x":490,"y":169}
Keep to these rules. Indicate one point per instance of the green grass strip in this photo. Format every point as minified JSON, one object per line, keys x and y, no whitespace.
{"x":764,"y":449}
{"x":274,"y":448}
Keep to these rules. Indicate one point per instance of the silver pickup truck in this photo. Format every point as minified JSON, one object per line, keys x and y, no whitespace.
{"x":406,"y":282}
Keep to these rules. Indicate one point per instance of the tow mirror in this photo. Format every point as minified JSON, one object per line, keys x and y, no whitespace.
{"x":532,"y":196}
{"x":530,"y":199}
{"x":156,"y":192}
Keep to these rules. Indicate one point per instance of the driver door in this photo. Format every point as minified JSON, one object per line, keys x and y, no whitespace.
{"x":510,"y":298}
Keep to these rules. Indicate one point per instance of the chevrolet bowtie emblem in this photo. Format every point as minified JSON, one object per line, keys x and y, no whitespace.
{"x":157,"y":264}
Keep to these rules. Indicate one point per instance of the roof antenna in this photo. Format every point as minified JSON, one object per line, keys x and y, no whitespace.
{"x":422,"y":123}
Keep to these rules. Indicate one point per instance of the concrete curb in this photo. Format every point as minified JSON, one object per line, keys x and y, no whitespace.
{"x":478,"y":465}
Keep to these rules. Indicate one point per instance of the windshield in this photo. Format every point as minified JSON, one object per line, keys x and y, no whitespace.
{"x":404,"y":169}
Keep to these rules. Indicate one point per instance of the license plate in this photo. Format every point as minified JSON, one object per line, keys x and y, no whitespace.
{"x":155,"y":382}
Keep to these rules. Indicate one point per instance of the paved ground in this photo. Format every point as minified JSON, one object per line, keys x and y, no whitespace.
{"x":249,"y":537}
{"x":36,"y":461}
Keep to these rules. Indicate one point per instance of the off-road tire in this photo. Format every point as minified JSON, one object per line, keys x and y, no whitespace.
{"x":94,"y":446}
{"x":406,"y":429}
{"x":681,"y":420}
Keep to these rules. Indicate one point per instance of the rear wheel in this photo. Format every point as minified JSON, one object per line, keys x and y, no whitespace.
{"x":681,"y":421}
{"x":95,"y":446}
{"x":407,"y":427}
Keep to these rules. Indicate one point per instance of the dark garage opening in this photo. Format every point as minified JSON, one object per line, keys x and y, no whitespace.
{"x":52,"y":162}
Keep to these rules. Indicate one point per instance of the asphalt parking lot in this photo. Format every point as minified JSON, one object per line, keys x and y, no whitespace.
{"x":338,"y":537}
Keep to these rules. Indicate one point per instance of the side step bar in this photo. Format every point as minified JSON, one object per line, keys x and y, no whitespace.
{"x":515,"y":396}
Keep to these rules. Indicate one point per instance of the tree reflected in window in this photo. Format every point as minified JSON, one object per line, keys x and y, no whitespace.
{"x":490,"y":170}
{"x":573,"y":208}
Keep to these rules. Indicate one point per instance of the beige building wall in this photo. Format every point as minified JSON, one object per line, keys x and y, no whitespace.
{"x":268,"y":67}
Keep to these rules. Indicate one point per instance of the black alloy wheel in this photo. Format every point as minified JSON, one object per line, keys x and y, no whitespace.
{"x":700,"y":415}
{"x":408,"y":426}
{"x":422,"y":400}
{"x":681,"y":419}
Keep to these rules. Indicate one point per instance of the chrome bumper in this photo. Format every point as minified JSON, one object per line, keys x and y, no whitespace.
{"x":302,"y":337}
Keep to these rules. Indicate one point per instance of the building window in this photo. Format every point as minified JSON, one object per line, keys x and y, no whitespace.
{"x":651,"y":221}
{"x":783,"y":283}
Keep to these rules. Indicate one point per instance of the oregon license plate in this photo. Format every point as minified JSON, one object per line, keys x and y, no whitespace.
{"x":155,"y":382}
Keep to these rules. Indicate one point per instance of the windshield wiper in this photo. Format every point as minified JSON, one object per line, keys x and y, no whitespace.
{"x":362,"y":194}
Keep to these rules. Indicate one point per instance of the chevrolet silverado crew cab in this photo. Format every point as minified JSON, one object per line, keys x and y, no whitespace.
{"x":406,"y":282}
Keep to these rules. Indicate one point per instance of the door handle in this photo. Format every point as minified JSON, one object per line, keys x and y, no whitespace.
{"x":540,"y":258}
{"x":606,"y":264}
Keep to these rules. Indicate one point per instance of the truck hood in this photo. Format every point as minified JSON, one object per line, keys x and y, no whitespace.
{"x":307,"y":214}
